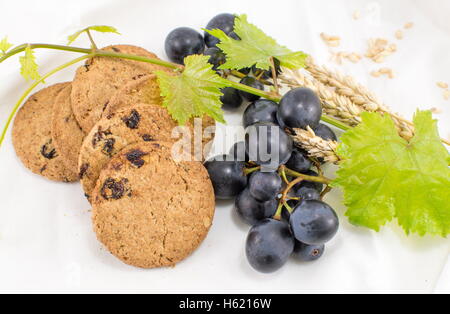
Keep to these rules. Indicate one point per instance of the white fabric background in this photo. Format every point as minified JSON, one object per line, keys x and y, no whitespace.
{"x":46,"y":242}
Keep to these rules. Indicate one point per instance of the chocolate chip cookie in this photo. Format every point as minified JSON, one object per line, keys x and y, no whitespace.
{"x":32,"y":137}
{"x":66,"y":132}
{"x":111,"y":134}
{"x":150,"y":211}
{"x":98,"y":80}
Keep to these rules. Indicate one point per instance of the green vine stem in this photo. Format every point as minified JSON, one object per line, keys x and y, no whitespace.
{"x":90,"y":53}
{"x":31,"y":88}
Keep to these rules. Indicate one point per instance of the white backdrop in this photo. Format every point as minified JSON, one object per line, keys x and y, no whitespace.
{"x":46,"y":242}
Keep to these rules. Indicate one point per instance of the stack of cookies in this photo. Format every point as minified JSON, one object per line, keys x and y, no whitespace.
{"x":108,"y":129}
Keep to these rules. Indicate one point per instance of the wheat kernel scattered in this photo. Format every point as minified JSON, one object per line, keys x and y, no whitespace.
{"x":399,"y":35}
{"x":331,"y":41}
{"x":436,"y":110}
{"x":446,"y":94}
{"x":442,"y":85}
{"x":409,"y":25}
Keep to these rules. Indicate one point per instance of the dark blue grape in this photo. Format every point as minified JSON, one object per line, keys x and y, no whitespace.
{"x":269,"y":245}
{"x":253,"y":211}
{"x":235,"y":37}
{"x":299,"y":161}
{"x":224,"y":22}
{"x":231,"y":99}
{"x":238,"y":152}
{"x":260,"y":111}
{"x":268,"y":145}
{"x":314,"y":222}
{"x":307,"y":253}
{"x":310,"y":184}
{"x":325,"y":132}
{"x":252,"y":82}
{"x":183,"y":42}
{"x":265,"y":186}
{"x":306,"y":193}
{"x":228,"y":177}
{"x":216,"y":57}
{"x":300,"y":108}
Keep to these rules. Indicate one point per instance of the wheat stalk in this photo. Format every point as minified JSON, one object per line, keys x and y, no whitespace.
{"x":316,"y":146}
{"x":335,"y":105}
{"x":346,"y":86}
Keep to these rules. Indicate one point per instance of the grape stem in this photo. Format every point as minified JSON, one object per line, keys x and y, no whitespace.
{"x":249,"y":171}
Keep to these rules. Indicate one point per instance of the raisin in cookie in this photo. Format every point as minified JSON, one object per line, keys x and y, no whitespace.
{"x":32,"y":137}
{"x":112,"y":133}
{"x":101,"y":77}
{"x":150,"y":211}
{"x":66,"y":132}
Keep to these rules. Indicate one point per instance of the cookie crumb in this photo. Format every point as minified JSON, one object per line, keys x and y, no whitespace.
{"x":356,"y":15}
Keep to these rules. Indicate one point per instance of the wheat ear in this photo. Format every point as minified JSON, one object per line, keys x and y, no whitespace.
{"x":345,"y":85}
{"x":316,"y":146}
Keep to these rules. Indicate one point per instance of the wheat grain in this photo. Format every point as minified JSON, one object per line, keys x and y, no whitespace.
{"x":409,"y":25}
{"x":399,"y":35}
{"x":316,"y":146}
{"x":356,"y":15}
{"x":331,"y":41}
{"x":442,"y":85}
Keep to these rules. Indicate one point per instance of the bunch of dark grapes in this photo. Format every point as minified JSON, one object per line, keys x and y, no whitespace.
{"x":265,"y":173}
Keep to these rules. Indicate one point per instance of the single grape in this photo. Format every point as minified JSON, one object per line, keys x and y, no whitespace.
{"x":306,"y":193}
{"x":224,"y":22}
{"x":269,"y":245}
{"x":216,"y":57}
{"x":183,"y":42}
{"x":314,"y":222}
{"x":252,"y":82}
{"x":260,"y":111}
{"x":310,"y":184}
{"x":253,"y":211}
{"x":325,"y":132}
{"x":238,"y":152}
{"x":299,"y":161}
{"x":268,"y":145}
{"x":228,"y":177}
{"x":231,"y":99}
{"x":307,"y":253}
{"x":300,"y":108}
{"x":265,"y":186}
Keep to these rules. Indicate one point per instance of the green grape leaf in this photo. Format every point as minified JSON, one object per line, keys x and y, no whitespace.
{"x":255,"y":47}
{"x":193,"y":93}
{"x":29,"y":69}
{"x":385,"y":177}
{"x":4,"y":45}
{"x":97,"y":28}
